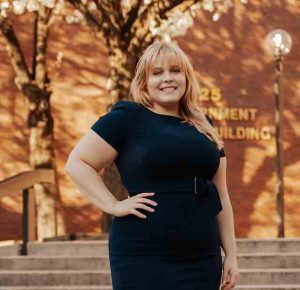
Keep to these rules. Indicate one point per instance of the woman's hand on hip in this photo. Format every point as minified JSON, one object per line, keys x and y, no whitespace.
{"x":129,"y":205}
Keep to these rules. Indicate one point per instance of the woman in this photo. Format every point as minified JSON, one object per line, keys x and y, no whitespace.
{"x":168,"y":232}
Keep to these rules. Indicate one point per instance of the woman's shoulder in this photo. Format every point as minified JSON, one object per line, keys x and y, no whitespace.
{"x":126,"y":105}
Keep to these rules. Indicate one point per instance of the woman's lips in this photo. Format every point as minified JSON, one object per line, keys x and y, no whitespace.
{"x":168,"y":89}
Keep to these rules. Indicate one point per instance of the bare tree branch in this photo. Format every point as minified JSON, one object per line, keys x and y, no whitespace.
{"x":132,"y":15}
{"x":48,"y":15}
{"x":117,"y":8}
{"x":140,"y":27}
{"x":108,"y":16}
{"x":34,"y":49}
{"x":15,"y":53}
{"x":98,"y":26}
{"x":41,"y":48}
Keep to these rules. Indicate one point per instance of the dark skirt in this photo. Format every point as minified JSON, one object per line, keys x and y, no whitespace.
{"x":176,"y":247}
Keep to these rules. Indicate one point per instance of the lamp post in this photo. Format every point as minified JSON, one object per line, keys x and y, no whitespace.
{"x":278,"y":43}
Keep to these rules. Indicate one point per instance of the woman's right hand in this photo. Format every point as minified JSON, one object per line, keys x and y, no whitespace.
{"x":128,"y":206}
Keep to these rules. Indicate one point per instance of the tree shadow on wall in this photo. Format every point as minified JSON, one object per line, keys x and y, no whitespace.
{"x":229,"y":54}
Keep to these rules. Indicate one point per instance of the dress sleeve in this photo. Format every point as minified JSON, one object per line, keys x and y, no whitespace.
{"x":114,"y":127}
{"x":221,"y":151}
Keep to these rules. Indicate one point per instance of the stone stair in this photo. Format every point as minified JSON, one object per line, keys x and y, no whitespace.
{"x":264,"y":264}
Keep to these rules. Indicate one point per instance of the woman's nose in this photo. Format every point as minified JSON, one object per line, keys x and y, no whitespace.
{"x":168,"y":77}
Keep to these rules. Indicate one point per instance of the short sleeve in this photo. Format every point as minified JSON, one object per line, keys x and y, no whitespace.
{"x":221,"y":151}
{"x":114,"y":127}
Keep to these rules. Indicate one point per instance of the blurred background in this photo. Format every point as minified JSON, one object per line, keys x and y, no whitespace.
{"x":61,"y":67}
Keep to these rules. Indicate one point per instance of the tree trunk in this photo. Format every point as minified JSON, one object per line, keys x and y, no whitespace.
{"x":35,"y":86}
{"x":41,"y":136}
{"x":50,"y":221}
{"x":122,"y":65}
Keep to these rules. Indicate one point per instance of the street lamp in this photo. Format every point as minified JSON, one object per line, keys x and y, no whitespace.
{"x":279,"y":43}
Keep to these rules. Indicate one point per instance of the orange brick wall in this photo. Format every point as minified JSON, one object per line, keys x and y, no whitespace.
{"x":227,"y":55}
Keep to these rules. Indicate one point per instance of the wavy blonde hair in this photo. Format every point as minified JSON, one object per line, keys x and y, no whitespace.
{"x":189,"y":107}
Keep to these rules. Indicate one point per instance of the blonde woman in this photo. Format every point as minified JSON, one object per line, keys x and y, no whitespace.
{"x":169,"y":232}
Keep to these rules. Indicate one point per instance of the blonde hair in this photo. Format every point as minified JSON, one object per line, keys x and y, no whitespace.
{"x":189,"y":108}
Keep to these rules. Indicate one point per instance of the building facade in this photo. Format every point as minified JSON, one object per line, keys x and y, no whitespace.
{"x":236,"y":76}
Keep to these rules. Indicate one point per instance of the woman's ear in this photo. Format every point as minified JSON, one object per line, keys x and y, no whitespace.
{"x":145,"y":88}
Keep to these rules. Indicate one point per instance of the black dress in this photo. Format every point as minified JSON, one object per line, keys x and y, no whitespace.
{"x":177,"y":247}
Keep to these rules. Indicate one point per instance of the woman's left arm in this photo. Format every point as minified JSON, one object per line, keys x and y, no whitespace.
{"x":226,"y":229}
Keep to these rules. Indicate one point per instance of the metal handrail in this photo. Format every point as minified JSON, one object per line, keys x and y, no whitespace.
{"x":24,"y":182}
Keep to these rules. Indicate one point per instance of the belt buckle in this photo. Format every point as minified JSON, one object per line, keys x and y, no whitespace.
{"x":195,"y":184}
{"x":204,"y":186}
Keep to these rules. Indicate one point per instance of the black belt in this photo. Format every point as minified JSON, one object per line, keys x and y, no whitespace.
{"x":204,"y":190}
{"x":200,"y":186}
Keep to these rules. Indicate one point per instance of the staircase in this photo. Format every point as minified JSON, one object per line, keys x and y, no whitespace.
{"x":269,"y":264}
{"x":264,"y":264}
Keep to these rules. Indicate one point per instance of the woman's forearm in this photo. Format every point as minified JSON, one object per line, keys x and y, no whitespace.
{"x":226,"y":228}
{"x":90,"y":184}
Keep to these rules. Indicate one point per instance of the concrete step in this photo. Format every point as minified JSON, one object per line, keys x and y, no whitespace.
{"x":17,"y":263}
{"x":69,"y":248}
{"x":248,"y":287}
{"x":84,"y":287}
{"x":266,"y":287}
{"x":245,"y":261}
{"x":9,"y":250}
{"x":94,"y":278}
{"x":55,"y":278}
{"x":270,"y":260}
{"x":278,"y":245}
{"x":86,"y":248}
{"x":89,"y":248}
{"x":269,"y":276}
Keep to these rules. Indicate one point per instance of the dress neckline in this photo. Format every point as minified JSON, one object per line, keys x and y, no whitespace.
{"x":162,"y":115}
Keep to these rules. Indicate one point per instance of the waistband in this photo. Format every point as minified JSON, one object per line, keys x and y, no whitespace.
{"x":200,"y":186}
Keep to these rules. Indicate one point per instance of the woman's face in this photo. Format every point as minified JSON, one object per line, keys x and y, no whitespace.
{"x":166,"y":81}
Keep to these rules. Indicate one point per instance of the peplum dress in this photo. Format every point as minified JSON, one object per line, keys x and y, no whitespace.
{"x":177,"y":246}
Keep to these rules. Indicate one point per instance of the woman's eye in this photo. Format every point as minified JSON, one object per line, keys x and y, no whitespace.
{"x":176,"y":70}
